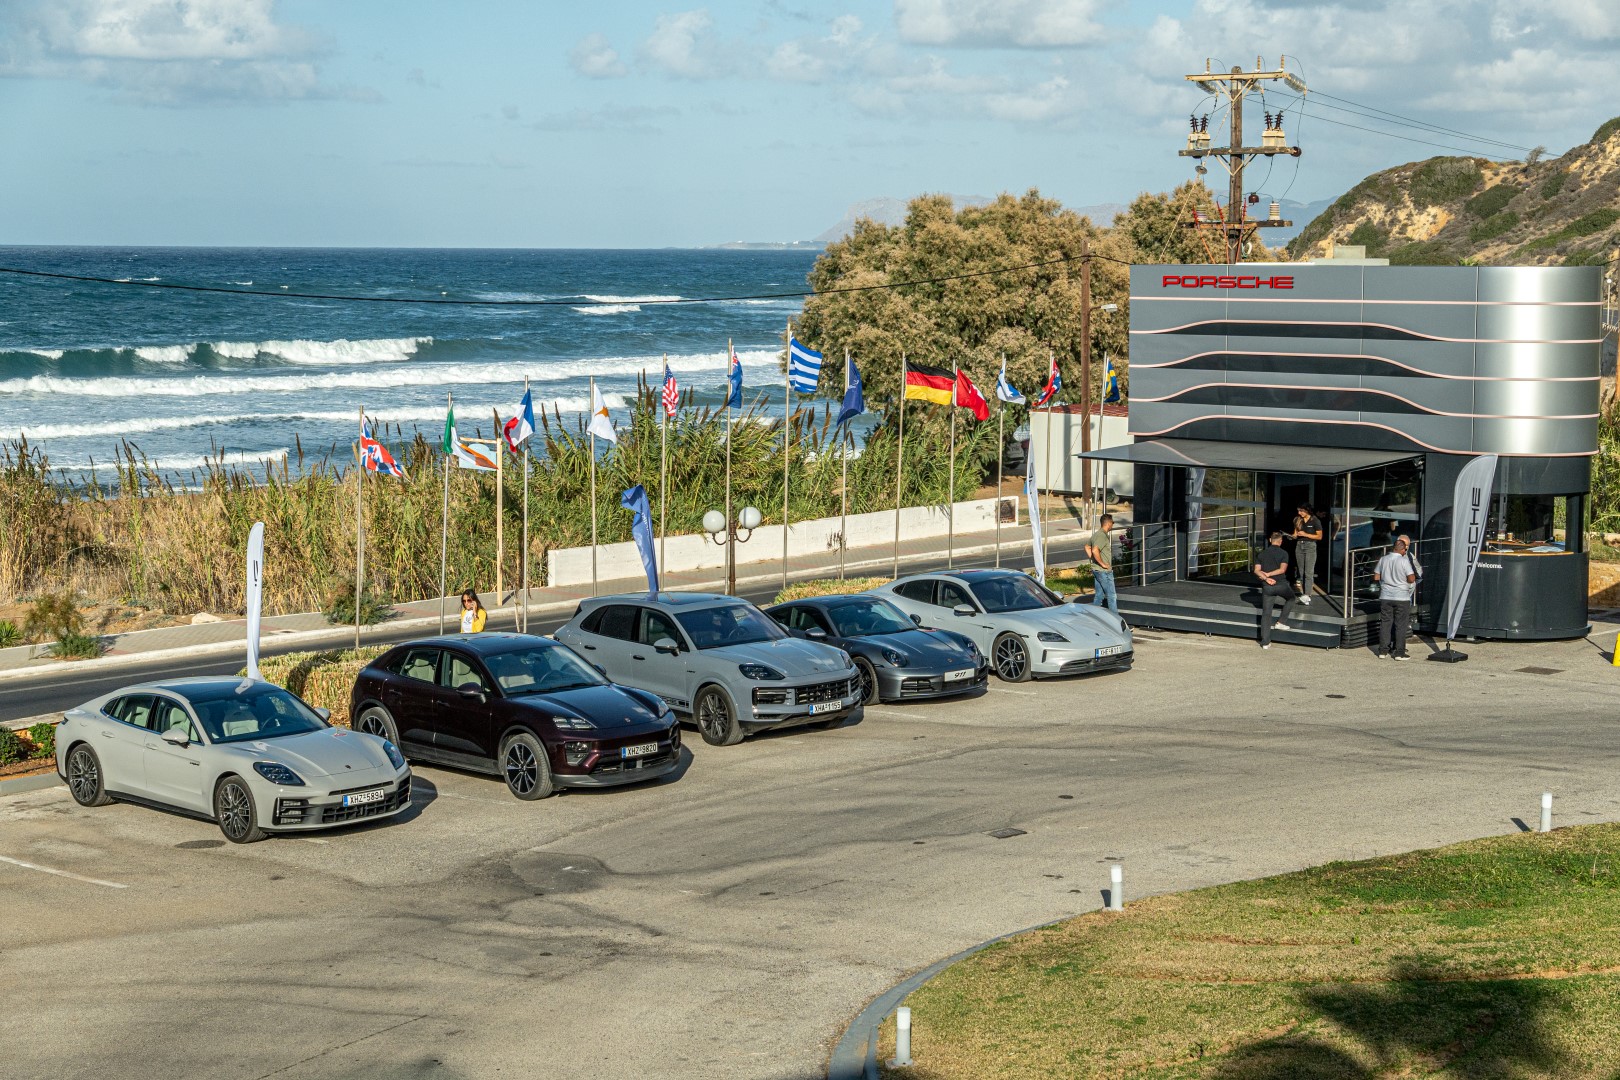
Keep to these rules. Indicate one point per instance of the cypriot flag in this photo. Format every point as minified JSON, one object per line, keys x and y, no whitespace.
{"x":601,"y":424}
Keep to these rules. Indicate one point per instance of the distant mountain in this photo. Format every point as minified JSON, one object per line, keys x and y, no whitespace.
{"x":890,"y":211}
{"x":1562,"y":211}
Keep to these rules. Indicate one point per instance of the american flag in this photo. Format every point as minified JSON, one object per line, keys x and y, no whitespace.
{"x":672,"y":393}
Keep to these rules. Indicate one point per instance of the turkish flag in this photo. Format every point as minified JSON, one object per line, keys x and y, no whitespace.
{"x":968,"y":396}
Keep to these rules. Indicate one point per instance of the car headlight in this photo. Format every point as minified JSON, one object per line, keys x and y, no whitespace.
{"x":896,"y":658}
{"x":573,"y":723}
{"x":395,"y":758}
{"x":1050,"y":635}
{"x":277,"y":773}
{"x":759,"y":672}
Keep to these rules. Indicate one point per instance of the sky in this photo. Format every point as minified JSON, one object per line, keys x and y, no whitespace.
{"x":505,"y":123}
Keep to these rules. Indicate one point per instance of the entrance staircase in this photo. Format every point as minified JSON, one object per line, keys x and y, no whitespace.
{"x":1233,"y":611}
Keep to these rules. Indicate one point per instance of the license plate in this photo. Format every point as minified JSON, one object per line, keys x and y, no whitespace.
{"x":958,"y":676}
{"x":641,"y":750}
{"x":825,"y":707}
{"x":360,"y":798}
{"x":1112,"y":650}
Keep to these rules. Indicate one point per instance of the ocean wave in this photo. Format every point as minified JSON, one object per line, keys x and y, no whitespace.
{"x":303,"y":351}
{"x":652,"y":299}
{"x":164,"y":354}
{"x":173,"y":462}
{"x":607,"y":309}
{"x":49,"y":354}
{"x":483,"y":375}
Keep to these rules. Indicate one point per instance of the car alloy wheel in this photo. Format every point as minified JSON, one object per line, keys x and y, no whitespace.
{"x":716,"y":720}
{"x":378,"y":723}
{"x":1011,"y":657}
{"x":84,"y":778}
{"x":526,"y":768}
{"x":234,"y":810}
{"x":869,"y":681}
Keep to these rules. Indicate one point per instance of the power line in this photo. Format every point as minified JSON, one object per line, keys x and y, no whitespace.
{"x":1410,"y":122}
{"x":547,"y":303}
{"x":1405,"y":138}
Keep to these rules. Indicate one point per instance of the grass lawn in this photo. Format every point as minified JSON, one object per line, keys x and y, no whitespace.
{"x":1491,"y":958}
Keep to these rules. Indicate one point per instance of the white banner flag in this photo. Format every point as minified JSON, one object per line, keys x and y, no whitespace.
{"x":1470,"y":507}
{"x":255,"y":595}
{"x":1032,"y":493}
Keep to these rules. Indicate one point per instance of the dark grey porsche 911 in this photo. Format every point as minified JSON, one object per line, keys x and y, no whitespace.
{"x":898,"y":660}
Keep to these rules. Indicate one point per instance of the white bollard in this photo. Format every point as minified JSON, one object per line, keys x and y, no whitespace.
{"x":1116,"y":888}
{"x":902,"y":1036}
{"x":1546,"y":811}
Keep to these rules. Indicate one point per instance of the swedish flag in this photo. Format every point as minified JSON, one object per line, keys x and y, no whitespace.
{"x":1110,"y":386}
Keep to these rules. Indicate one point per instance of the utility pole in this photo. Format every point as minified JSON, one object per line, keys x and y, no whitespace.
{"x":1234,"y":86}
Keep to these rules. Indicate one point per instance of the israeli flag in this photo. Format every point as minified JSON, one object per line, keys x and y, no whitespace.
{"x":804,"y":367}
{"x":1005,"y":390}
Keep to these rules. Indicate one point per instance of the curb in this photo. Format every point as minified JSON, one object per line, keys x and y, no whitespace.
{"x":19,"y":784}
{"x":855,"y":1055}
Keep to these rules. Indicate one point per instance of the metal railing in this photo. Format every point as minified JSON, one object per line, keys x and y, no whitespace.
{"x":1361,"y":563}
{"x":1150,"y":552}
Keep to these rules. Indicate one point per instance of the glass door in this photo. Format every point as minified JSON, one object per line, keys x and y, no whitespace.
{"x":1224,"y":509}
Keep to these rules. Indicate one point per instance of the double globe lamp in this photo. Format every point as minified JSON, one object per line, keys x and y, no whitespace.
{"x":729,"y":536}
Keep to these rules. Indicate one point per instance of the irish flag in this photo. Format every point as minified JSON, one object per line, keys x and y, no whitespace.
{"x":466,"y":457}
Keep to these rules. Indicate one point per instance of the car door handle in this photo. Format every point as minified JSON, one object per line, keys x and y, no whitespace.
{"x":108,"y":735}
{"x":591,"y":647}
{"x":637,"y":656}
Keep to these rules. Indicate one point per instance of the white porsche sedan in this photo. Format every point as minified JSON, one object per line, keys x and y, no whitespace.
{"x":248,"y":755}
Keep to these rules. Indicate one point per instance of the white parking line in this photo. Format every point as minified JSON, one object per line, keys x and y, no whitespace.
{"x":1020,"y":693}
{"x":61,"y":873}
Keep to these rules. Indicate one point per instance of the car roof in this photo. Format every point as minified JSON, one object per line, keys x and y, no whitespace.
{"x":969,"y":576}
{"x":487,"y":644}
{"x":666,"y":599}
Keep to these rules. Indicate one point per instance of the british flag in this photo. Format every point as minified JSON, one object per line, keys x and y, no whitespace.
{"x":672,"y":393}
{"x":375,"y":456}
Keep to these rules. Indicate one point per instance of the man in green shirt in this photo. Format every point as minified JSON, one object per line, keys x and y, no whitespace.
{"x":1100,"y":550}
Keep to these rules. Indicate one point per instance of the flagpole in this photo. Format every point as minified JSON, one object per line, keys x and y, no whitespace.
{"x":1001,"y":454}
{"x":843,"y":491}
{"x":1051,"y":430}
{"x":730,"y":543}
{"x":899,"y":459}
{"x":950,"y":494}
{"x":359,"y":531}
{"x":663,"y":468}
{"x":593,"y":489}
{"x":525,"y":578}
{"x":500,"y":517}
{"x":787,"y":440}
{"x":444,"y":524}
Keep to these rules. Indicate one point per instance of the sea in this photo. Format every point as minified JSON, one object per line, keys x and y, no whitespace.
{"x":188,"y":377}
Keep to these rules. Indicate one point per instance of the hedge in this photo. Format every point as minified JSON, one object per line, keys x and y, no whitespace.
{"x":804,"y":590}
{"x":323,"y":679}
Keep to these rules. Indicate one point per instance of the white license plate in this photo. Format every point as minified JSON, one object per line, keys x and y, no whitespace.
{"x":360,"y":798}
{"x":641,"y":750}
{"x":825,"y":707}
{"x":1112,"y":650}
{"x":958,"y":676}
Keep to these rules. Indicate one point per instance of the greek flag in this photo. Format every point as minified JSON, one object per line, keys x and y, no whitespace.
{"x":804,"y":367}
{"x":1005,"y":390}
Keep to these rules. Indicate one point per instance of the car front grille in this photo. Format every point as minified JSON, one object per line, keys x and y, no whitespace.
{"x":827,"y":691}
{"x":619,"y":767}
{"x":337,"y":813}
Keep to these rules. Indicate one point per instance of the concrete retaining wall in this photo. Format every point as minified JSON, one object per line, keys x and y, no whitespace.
{"x":572,"y":566}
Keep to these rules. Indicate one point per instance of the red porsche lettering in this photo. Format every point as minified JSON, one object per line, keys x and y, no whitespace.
{"x":1226,"y":281}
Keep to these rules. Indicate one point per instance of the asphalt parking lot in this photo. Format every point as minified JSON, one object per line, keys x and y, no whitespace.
{"x":729,"y":922}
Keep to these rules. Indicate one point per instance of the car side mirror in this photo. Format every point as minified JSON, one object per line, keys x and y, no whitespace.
{"x":917,"y":619}
{"x":964,"y":610}
{"x":472,"y":692}
{"x":816,"y":633}
{"x":667,"y":645}
{"x":176,"y":736}
{"x":324,"y":714}
{"x":600,"y":670}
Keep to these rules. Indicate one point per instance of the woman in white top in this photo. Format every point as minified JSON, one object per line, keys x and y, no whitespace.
{"x":473,"y":614}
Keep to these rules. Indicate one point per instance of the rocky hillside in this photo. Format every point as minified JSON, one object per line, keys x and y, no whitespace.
{"x":1556,"y":211}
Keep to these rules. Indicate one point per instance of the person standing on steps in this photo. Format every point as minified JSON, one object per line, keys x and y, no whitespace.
{"x":1397,"y":575}
{"x":1307,"y":534}
{"x":1272,"y":570}
{"x":1100,"y":550}
{"x":473,"y":615}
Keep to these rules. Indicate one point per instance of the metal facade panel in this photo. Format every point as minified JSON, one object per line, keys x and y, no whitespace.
{"x":1540,"y":284}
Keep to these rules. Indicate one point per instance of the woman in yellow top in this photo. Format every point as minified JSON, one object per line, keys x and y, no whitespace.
{"x":473,"y":614}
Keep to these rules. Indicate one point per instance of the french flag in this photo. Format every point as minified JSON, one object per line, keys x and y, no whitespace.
{"x":518,"y":429}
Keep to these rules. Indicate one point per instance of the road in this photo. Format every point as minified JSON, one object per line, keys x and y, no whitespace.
{"x":729,"y":922}
{"x":61,"y":687}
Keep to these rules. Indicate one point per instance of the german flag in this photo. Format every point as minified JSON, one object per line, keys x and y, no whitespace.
{"x":924,"y":383}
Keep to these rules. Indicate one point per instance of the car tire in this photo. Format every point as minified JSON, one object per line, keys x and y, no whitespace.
{"x":869,"y":681}
{"x":716,"y":717}
{"x":85,"y":780}
{"x":376,"y":721}
{"x":1010,"y":657}
{"x":235,"y":811}
{"x":526,"y":768}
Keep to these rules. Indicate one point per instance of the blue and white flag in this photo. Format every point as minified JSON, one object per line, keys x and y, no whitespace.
{"x":641,"y":529}
{"x":1005,"y":390}
{"x":734,"y":394}
{"x":854,"y":397}
{"x":804,"y":367}
{"x":1110,"y":381}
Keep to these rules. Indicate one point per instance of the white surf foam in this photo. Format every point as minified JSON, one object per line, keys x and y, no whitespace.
{"x":49,"y":354}
{"x":654,"y":298}
{"x":344,"y":351}
{"x":164,"y":354}
{"x":173,"y":462}
{"x":607,"y":309}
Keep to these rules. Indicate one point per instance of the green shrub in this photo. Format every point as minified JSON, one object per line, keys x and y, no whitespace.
{"x":1589,"y":257}
{"x":1369,"y":236}
{"x":76,"y":646}
{"x":1491,"y":201}
{"x":804,"y":590}
{"x":1444,"y":180}
{"x":1595,"y":222}
{"x":340,"y":609}
{"x":1553,"y":184}
{"x":1494,"y":227}
{"x":1423,"y":253}
{"x":1607,"y":128}
{"x":9,"y":634}
{"x":53,"y":617}
{"x":43,"y":738}
{"x":11,"y":747}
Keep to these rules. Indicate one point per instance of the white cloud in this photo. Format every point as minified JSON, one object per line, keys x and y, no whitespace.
{"x":998,"y":23}
{"x":594,"y":58}
{"x":684,"y":45}
{"x":1049,"y":101}
{"x":170,"y":29}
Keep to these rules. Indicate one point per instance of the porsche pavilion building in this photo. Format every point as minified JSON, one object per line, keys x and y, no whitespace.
{"x":1361,"y":390}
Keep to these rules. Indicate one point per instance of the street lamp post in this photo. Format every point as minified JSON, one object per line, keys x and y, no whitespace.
{"x":726,"y":535}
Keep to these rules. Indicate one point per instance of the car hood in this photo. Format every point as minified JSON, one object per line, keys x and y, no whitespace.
{"x":793,"y":657}
{"x":923,"y":646}
{"x":329,"y":752}
{"x":1077,"y":622}
{"x":604,"y":707}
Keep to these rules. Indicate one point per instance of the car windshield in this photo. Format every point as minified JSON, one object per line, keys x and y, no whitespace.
{"x":544,"y":670}
{"x":729,"y":624}
{"x":1011,"y":592}
{"x":253,"y":710}
{"x":865,"y":618}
